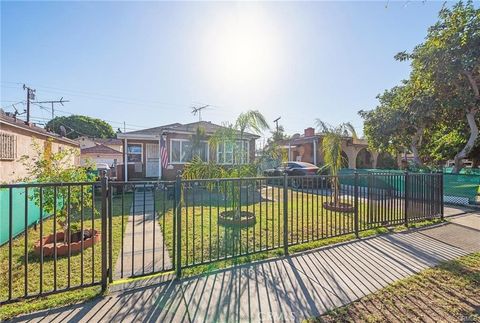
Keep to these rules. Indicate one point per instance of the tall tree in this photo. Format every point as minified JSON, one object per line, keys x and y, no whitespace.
{"x":78,"y":125}
{"x":400,"y":120}
{"x":450,"y":59}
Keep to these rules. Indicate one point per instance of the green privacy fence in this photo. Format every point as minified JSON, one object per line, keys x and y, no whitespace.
{"x":463,"y":188}
{"x":18,"y":204}
{"x":379,"y":182}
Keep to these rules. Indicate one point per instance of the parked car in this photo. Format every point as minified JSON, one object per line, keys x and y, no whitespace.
{"x":294,"y":168}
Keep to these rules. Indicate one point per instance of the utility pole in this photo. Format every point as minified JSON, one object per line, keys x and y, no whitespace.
{"x":198,"y":110}
{"x":276,"y":122}
{"x":30,"y":96}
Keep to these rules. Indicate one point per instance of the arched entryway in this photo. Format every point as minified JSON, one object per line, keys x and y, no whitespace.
{"x":386,"y":161}
{"x":364,"y":159}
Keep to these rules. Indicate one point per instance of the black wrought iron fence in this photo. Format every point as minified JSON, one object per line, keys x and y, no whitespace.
{"x":114,"y":230}
{"x":55,"y":238}
{"x":226,"y":218}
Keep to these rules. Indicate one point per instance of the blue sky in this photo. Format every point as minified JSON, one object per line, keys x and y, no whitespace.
{"x":147,"y":63}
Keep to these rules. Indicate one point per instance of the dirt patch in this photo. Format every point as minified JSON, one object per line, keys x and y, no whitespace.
{"x":449,"y":292}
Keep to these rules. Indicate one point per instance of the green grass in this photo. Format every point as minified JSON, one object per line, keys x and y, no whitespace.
{"x":204,"y":239}
{"x":449,"y":292}
{"x":18,"y":265}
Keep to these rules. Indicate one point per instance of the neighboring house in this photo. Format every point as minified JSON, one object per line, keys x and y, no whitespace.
{"x":308,"y":148}
{"x":101,"y":150}
{"x":87,"y":142}
{"x":101,"y":154}
{"x":16,"y":139}
{"x":142,"y":151}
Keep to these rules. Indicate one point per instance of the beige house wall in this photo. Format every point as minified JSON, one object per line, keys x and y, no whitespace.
{"x":12,"y":171}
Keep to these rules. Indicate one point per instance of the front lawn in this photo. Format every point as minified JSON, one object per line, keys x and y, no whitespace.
{"x":204,"y":239}
{"x":449,"y":292}
{"x":91,"y":268}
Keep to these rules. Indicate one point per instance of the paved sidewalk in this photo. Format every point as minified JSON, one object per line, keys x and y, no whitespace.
{"x":144,"y":236}
{"x":284,"y":289}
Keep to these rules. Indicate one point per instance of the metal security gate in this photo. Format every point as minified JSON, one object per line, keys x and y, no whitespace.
{"x":143,"y":213}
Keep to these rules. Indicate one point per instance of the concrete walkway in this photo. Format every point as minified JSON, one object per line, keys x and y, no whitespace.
{"x":284,"y":289}
{"x":143,"y":236}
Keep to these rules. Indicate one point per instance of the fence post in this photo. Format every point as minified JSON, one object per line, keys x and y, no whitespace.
{"x":442,"y":215}
{"x":355,"y":204}
{"x":405,"y":197}
{"x":110,"y":233}
{"x":104,"y":206}
{"x":178,"y":221}
{"x":285,"y":213}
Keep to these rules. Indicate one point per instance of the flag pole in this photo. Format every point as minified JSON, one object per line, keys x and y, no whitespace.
{"x":160,"y":157}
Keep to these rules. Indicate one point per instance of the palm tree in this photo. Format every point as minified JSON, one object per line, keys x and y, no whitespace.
{"x":196,"y":139}
{"x":251,"y":121}
{"x":332,"y":150}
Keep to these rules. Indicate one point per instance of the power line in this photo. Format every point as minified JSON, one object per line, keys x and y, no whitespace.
{"x":100,"y":96}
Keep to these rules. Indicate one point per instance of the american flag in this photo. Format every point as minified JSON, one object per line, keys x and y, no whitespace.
{"x":163,"y":153}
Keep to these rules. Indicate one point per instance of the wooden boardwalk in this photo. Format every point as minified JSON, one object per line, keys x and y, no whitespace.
{"x":284,"y":289}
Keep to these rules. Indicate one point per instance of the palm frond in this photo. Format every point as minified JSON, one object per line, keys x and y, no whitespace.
{"x":322,"y":126}
{"x":350,"y":129}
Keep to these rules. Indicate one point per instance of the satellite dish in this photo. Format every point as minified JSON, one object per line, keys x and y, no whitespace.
{"x":63,"y":131}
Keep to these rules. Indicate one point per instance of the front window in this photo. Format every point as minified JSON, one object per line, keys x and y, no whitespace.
{"x":182,"y":151}
{"x":134,"y":153}
{"x":227,"y":155}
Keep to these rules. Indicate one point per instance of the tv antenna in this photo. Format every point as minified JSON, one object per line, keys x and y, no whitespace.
{"x":61,"y":101}
{"x":198,"y":110}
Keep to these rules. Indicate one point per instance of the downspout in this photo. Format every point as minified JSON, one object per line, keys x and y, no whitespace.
{"x":315,"y":151}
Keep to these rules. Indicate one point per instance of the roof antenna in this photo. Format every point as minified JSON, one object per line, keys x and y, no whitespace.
{"x":198,"y":110}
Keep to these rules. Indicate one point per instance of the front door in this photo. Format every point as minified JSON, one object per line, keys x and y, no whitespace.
{"x":152,"y":161}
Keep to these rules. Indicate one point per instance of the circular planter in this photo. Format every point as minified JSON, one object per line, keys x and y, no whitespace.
{"x":339,"y":207}
{"x":48,"y":246}
{"x":228,"y":218}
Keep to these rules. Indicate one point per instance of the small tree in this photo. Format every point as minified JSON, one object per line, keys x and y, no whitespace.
{"x":55,"y":167}
{"x":252,"y":121}
{"x":332,"y":151}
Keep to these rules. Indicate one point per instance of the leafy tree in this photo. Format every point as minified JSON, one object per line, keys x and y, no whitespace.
{"x":56,"y":167}
{"x":78,"y":125}
{"x":450,"y":59}
{"x":401,"y":118}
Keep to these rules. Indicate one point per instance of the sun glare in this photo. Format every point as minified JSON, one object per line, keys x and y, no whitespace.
{"x":243,"y":49}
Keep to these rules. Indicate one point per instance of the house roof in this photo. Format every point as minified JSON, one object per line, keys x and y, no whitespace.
{"x":103,"y":141}
{"x":189,"y":128}
{"x":9,"y":119}
{"x":100,"y":149}
{"x":302,"y":139}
